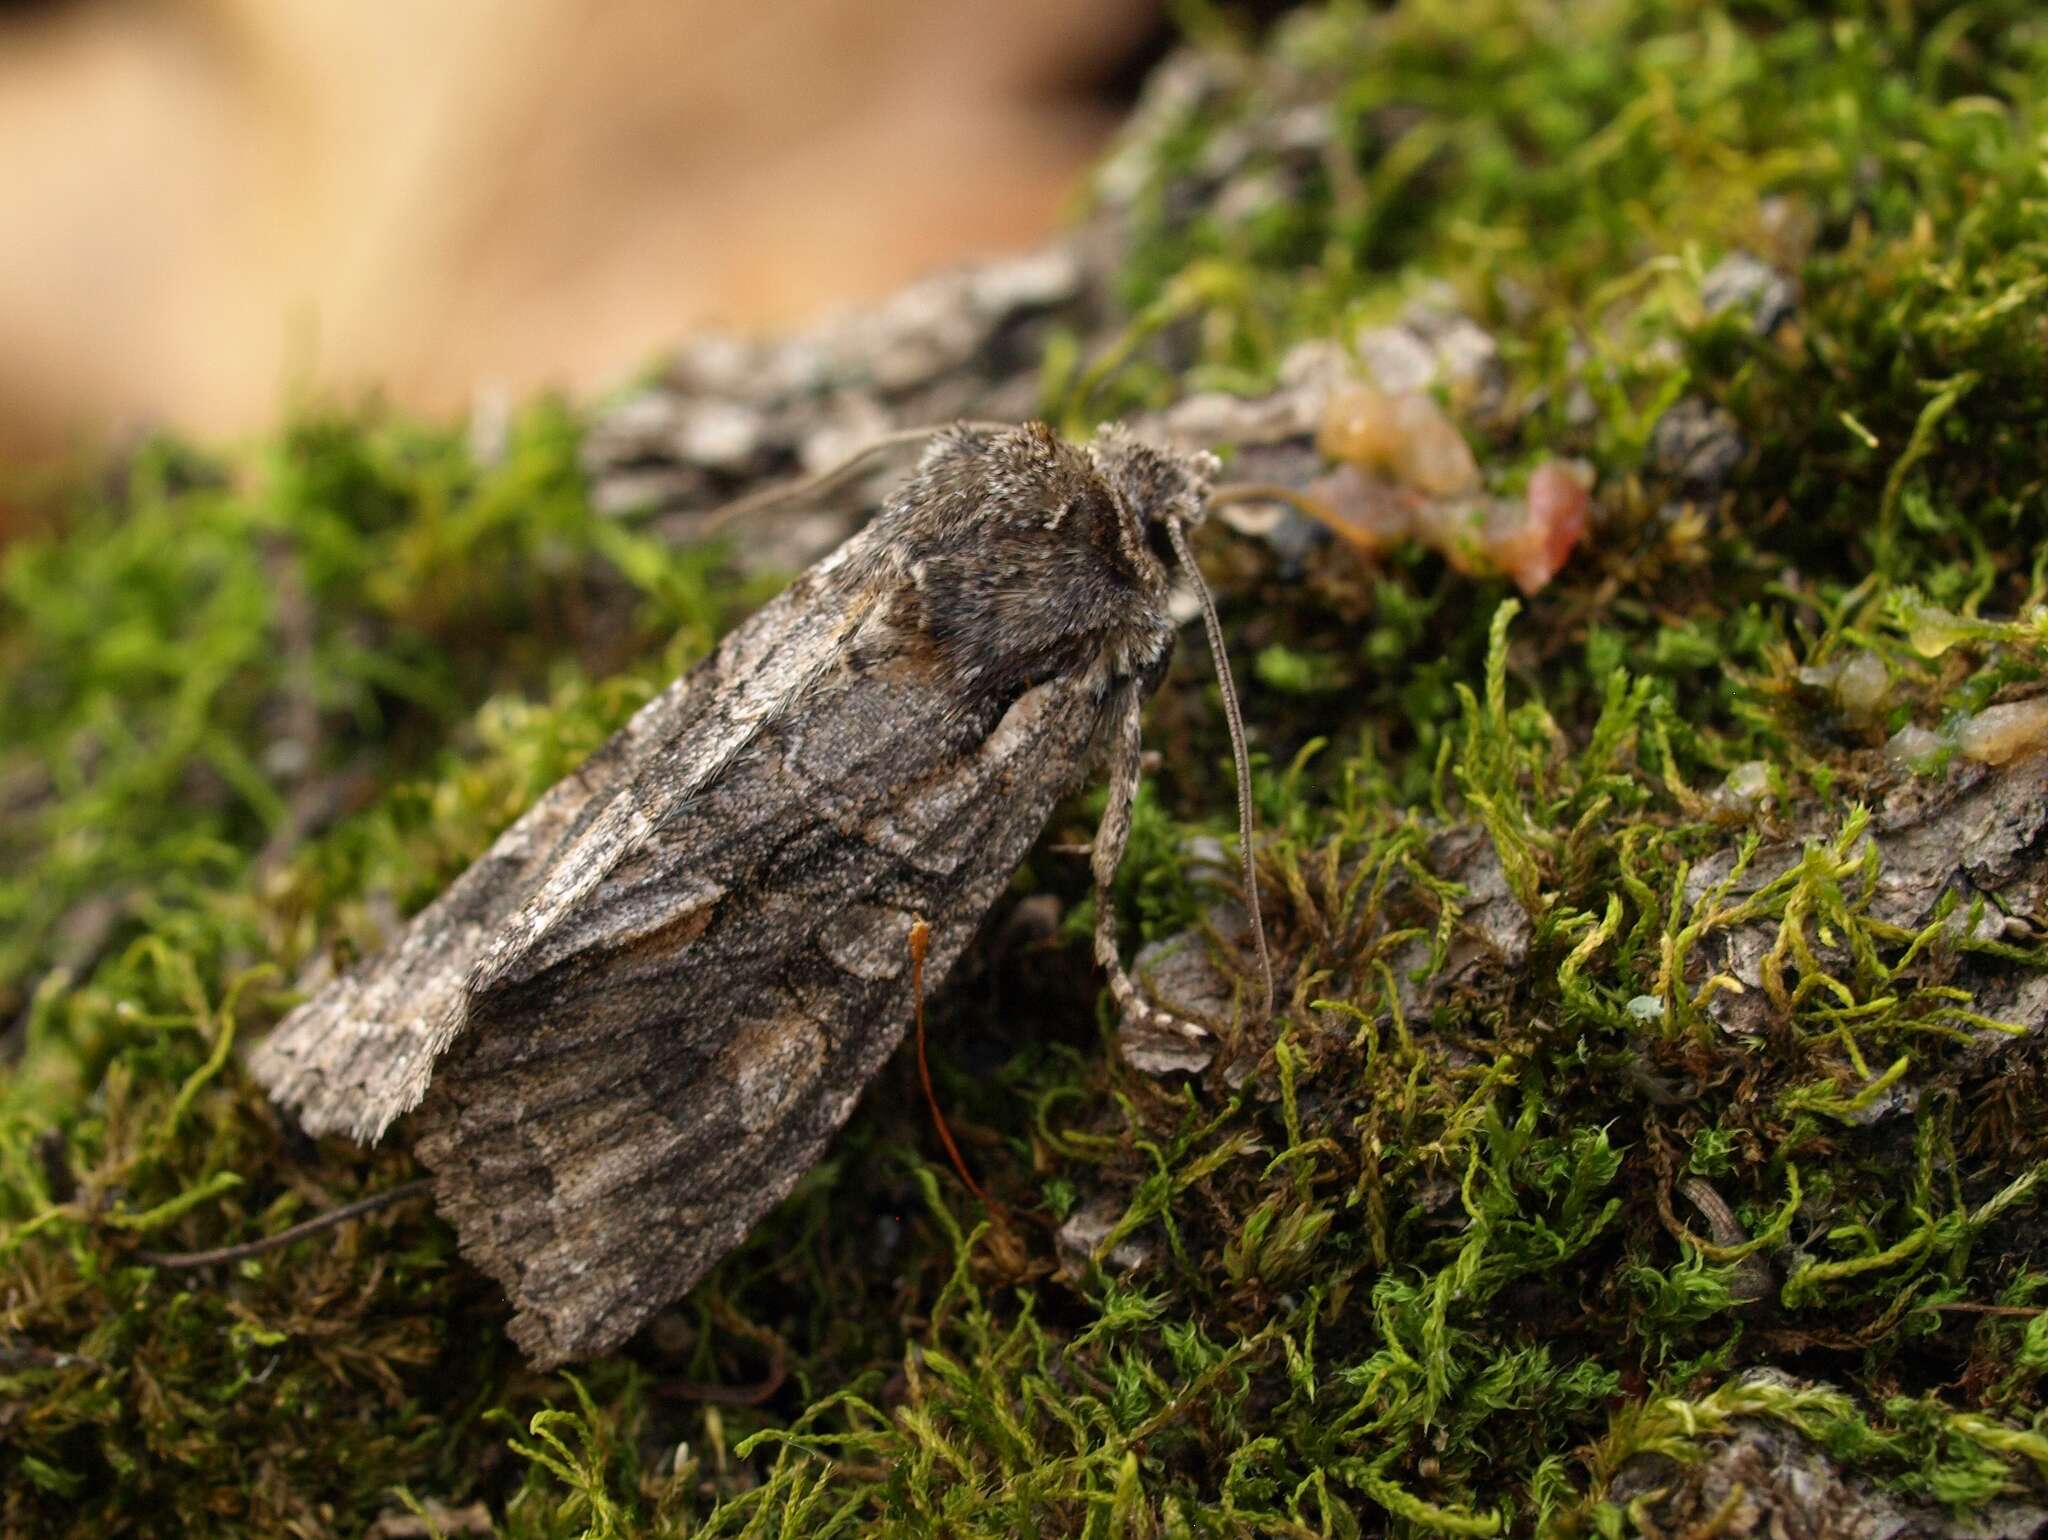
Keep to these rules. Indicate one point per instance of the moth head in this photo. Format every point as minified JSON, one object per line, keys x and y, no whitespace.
{"x":1162,"y":490}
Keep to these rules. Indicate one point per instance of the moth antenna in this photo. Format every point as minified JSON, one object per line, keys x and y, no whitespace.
{"x":824,"y":481}
{"x":1273,"y":492}
{"x":1177,"y":533}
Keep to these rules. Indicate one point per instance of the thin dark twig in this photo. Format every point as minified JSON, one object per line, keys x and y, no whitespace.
{"x":920,"y":941}
{"x":1239,"y":754}
{"x":732,"y":1395}
{"x":297,"y":1232}
{"x":2015,"y":1312}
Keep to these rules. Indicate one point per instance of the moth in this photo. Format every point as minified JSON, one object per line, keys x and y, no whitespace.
{"x":624,"y":1033}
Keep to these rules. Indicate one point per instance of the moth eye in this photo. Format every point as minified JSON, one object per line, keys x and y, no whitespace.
{"x":1159,"y":541}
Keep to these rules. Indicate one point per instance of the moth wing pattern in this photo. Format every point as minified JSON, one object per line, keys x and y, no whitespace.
{"x":629,"y":1031}
{"x":361,"y":1052}
{"x":656,"y":1067}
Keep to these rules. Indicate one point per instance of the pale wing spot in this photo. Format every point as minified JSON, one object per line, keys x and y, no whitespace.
{"x":1019,"y":723}
{"x":840,"y":1107}
{"x":770,"y":1065}
{"x":645,"y":1143}
{"x":662,"y":925}
{"x":870,"y":941}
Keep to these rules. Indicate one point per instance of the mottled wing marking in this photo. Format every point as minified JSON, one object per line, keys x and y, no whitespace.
{"x":765,"y":669}
{"x":676,"y":1100}
{"x":632,"y":1026}
{"x":866,"y":940}
{"x":362,"y":1051}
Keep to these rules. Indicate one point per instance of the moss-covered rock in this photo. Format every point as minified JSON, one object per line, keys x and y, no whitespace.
{"x":1634,"y":1119}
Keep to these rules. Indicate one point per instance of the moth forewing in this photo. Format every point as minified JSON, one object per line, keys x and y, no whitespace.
{"x":360,"y":1053}
{"x":635,"y":1023}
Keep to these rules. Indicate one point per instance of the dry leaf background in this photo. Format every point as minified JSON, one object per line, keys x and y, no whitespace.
{"x":208,"y":205}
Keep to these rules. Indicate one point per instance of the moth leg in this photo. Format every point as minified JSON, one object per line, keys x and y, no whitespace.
{"x":1106,"y":854}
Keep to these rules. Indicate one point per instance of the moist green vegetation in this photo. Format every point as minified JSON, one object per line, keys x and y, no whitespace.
{"x":1415,"y":1275}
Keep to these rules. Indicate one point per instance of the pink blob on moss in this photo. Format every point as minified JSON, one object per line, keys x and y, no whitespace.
{"x":1556,"y":512}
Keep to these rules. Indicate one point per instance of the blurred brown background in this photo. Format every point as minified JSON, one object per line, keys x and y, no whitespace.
{"x":206,"y":205}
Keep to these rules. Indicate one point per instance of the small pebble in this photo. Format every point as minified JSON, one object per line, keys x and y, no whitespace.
{"x":1747,"y":787}
{"x":1863,"y":684}
{"x":1405,"y":434}
{"x":1397,"y":359}
{"x":2001,"y":733}
{"x":1859,"y":683}
{"x":1912,"y":746}
{"x":1740,"y":281}
{"x":721,"y":435}
{"x":1697,"y":443}
{"x":1555,"y":514}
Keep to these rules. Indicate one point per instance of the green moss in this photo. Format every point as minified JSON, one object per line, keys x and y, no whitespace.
{"x":1414,"y":1274}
